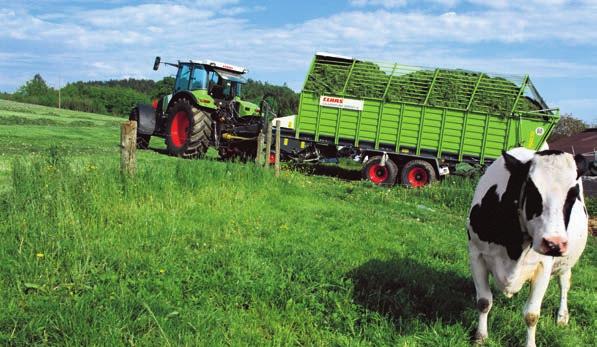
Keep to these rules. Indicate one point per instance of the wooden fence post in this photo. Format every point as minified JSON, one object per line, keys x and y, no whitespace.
{"x":259,"y":154}
{"x":268,"y":144}
{"x":277,"y":162}
{"x":128,"y":147}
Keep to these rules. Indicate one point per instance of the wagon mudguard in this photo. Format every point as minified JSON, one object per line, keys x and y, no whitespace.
{"x":147,"y":118}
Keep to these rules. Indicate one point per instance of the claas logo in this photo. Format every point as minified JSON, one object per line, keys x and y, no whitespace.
{"x":333,"y":100}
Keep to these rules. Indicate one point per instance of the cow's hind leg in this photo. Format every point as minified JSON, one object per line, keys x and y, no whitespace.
{"x":484,"y":296}
{"x":564,"y":287}
{"x":532,"y":309}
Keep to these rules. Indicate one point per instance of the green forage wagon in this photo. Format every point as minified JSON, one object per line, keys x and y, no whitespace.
{"x":411,"y":125}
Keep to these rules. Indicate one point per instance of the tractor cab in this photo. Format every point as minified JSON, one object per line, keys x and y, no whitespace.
{"x":220,"y":81}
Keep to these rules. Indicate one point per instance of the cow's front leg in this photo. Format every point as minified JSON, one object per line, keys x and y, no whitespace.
{"x":484,"y":296}
{"x":532,"y":309}
{"x":564,"y":287}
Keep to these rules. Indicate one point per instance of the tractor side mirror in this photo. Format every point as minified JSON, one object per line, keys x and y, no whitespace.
{"x":156,"y":64}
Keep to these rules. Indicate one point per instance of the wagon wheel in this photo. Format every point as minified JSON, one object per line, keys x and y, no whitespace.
{"x":417,"y":173}
{"x":383,"y":175}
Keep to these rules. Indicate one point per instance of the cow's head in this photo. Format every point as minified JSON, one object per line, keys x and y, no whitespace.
{"x":549,"y":191}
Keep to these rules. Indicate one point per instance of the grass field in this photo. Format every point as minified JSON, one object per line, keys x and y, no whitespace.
{"x":202,"y":252}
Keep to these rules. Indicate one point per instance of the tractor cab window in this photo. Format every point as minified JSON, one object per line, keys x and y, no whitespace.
{"x":224,"y":85}
{"x":231,"y":89}
{"x":183,"y":78}
{"x":216,"y":87}
{"x":198,"y":78}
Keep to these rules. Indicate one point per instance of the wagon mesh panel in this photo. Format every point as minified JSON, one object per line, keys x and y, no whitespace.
{"x":452,"y":88}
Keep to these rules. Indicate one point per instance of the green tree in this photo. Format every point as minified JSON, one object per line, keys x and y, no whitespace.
{"x":567,"y":126}
{"x":37,"y":91}
{"x":286,"y":100}
{"x":162,"y":88}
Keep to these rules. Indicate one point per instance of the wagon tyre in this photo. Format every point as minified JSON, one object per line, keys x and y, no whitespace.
{"x":188,"y":131}
{"x":417,"y":173}
{"x":383,"y":175}
{"x":142,"y":139}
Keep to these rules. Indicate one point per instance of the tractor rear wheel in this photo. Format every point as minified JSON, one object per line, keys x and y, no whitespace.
{"x":142,"y":140}
{"x":188,"y":131}
{"x":417,"y":173}
{"x":383,"y":175}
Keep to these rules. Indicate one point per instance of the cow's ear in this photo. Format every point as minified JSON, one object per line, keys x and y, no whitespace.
{"x":582,"y":165}
{"x":512,"y":164}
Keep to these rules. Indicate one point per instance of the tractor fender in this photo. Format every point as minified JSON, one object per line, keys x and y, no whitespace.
{"x":147,"y":118}
{"x":182,"y":94}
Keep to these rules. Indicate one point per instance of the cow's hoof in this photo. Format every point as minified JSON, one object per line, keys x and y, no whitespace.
{"x":563,"y":318}
{"x":479,"y":338}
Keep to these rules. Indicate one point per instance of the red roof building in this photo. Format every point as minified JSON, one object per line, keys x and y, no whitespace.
{"x":584,"y":143}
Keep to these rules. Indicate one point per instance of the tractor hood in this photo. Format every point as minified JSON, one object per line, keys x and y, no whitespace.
{"x":246,"y":108}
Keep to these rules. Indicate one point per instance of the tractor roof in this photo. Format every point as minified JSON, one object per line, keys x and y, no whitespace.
{"x":227,"y":75}
{"x":220,"y":65}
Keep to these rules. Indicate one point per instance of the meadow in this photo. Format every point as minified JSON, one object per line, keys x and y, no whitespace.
{"x":209,"y":253}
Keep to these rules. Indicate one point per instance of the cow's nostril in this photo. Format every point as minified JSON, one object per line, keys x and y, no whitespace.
{"x":549,"y":244}
{"x":554,"y":247}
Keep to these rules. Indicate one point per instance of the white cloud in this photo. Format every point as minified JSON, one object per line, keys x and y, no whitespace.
{"x":382,"y":3}
{"x":127,"y":38}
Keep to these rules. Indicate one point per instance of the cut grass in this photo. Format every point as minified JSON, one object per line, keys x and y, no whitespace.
{"x":210,"y":253}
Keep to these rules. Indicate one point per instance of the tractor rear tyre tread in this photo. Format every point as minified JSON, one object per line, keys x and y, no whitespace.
{"x":198,"y":133}
{"x":142,"y":139}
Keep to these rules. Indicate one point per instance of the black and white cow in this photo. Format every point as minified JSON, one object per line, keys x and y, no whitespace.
{"x":527,"y":222}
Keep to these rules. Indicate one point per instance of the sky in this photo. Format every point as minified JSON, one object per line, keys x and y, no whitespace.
{"x":554,"y":41}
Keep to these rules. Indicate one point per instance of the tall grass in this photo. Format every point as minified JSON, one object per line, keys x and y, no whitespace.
{"x":211,"y":253}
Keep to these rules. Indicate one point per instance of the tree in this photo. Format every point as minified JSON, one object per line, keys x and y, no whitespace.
{"x":162,"y":88}
{"x":568,"y":126}
{"x":285,"y":98}
{"x":36,"y":91}
{"x":35,"y":87}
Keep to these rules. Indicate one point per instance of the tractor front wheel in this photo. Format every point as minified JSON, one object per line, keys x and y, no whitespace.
{"x":142,"y":140}
{"x":383,"y":175}
{"x":189,"y":130}
{"x":417,"y":173}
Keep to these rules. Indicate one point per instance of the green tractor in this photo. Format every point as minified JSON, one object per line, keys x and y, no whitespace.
{"x":204,"y":109}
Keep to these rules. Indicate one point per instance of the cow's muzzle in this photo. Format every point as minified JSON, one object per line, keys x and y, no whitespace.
{"x":554,"y":246}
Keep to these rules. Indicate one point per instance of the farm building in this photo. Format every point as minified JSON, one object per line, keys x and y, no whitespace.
{"x":582,"y":143}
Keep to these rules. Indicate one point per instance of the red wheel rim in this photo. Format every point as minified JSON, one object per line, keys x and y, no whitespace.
{"x":418,"y":177}
{"x":179,"y":129}
{"x":378,"y":174}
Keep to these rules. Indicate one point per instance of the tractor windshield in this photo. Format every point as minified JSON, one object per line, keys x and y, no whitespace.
{"x":224,"y":84}
{"x":199,"y":78}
